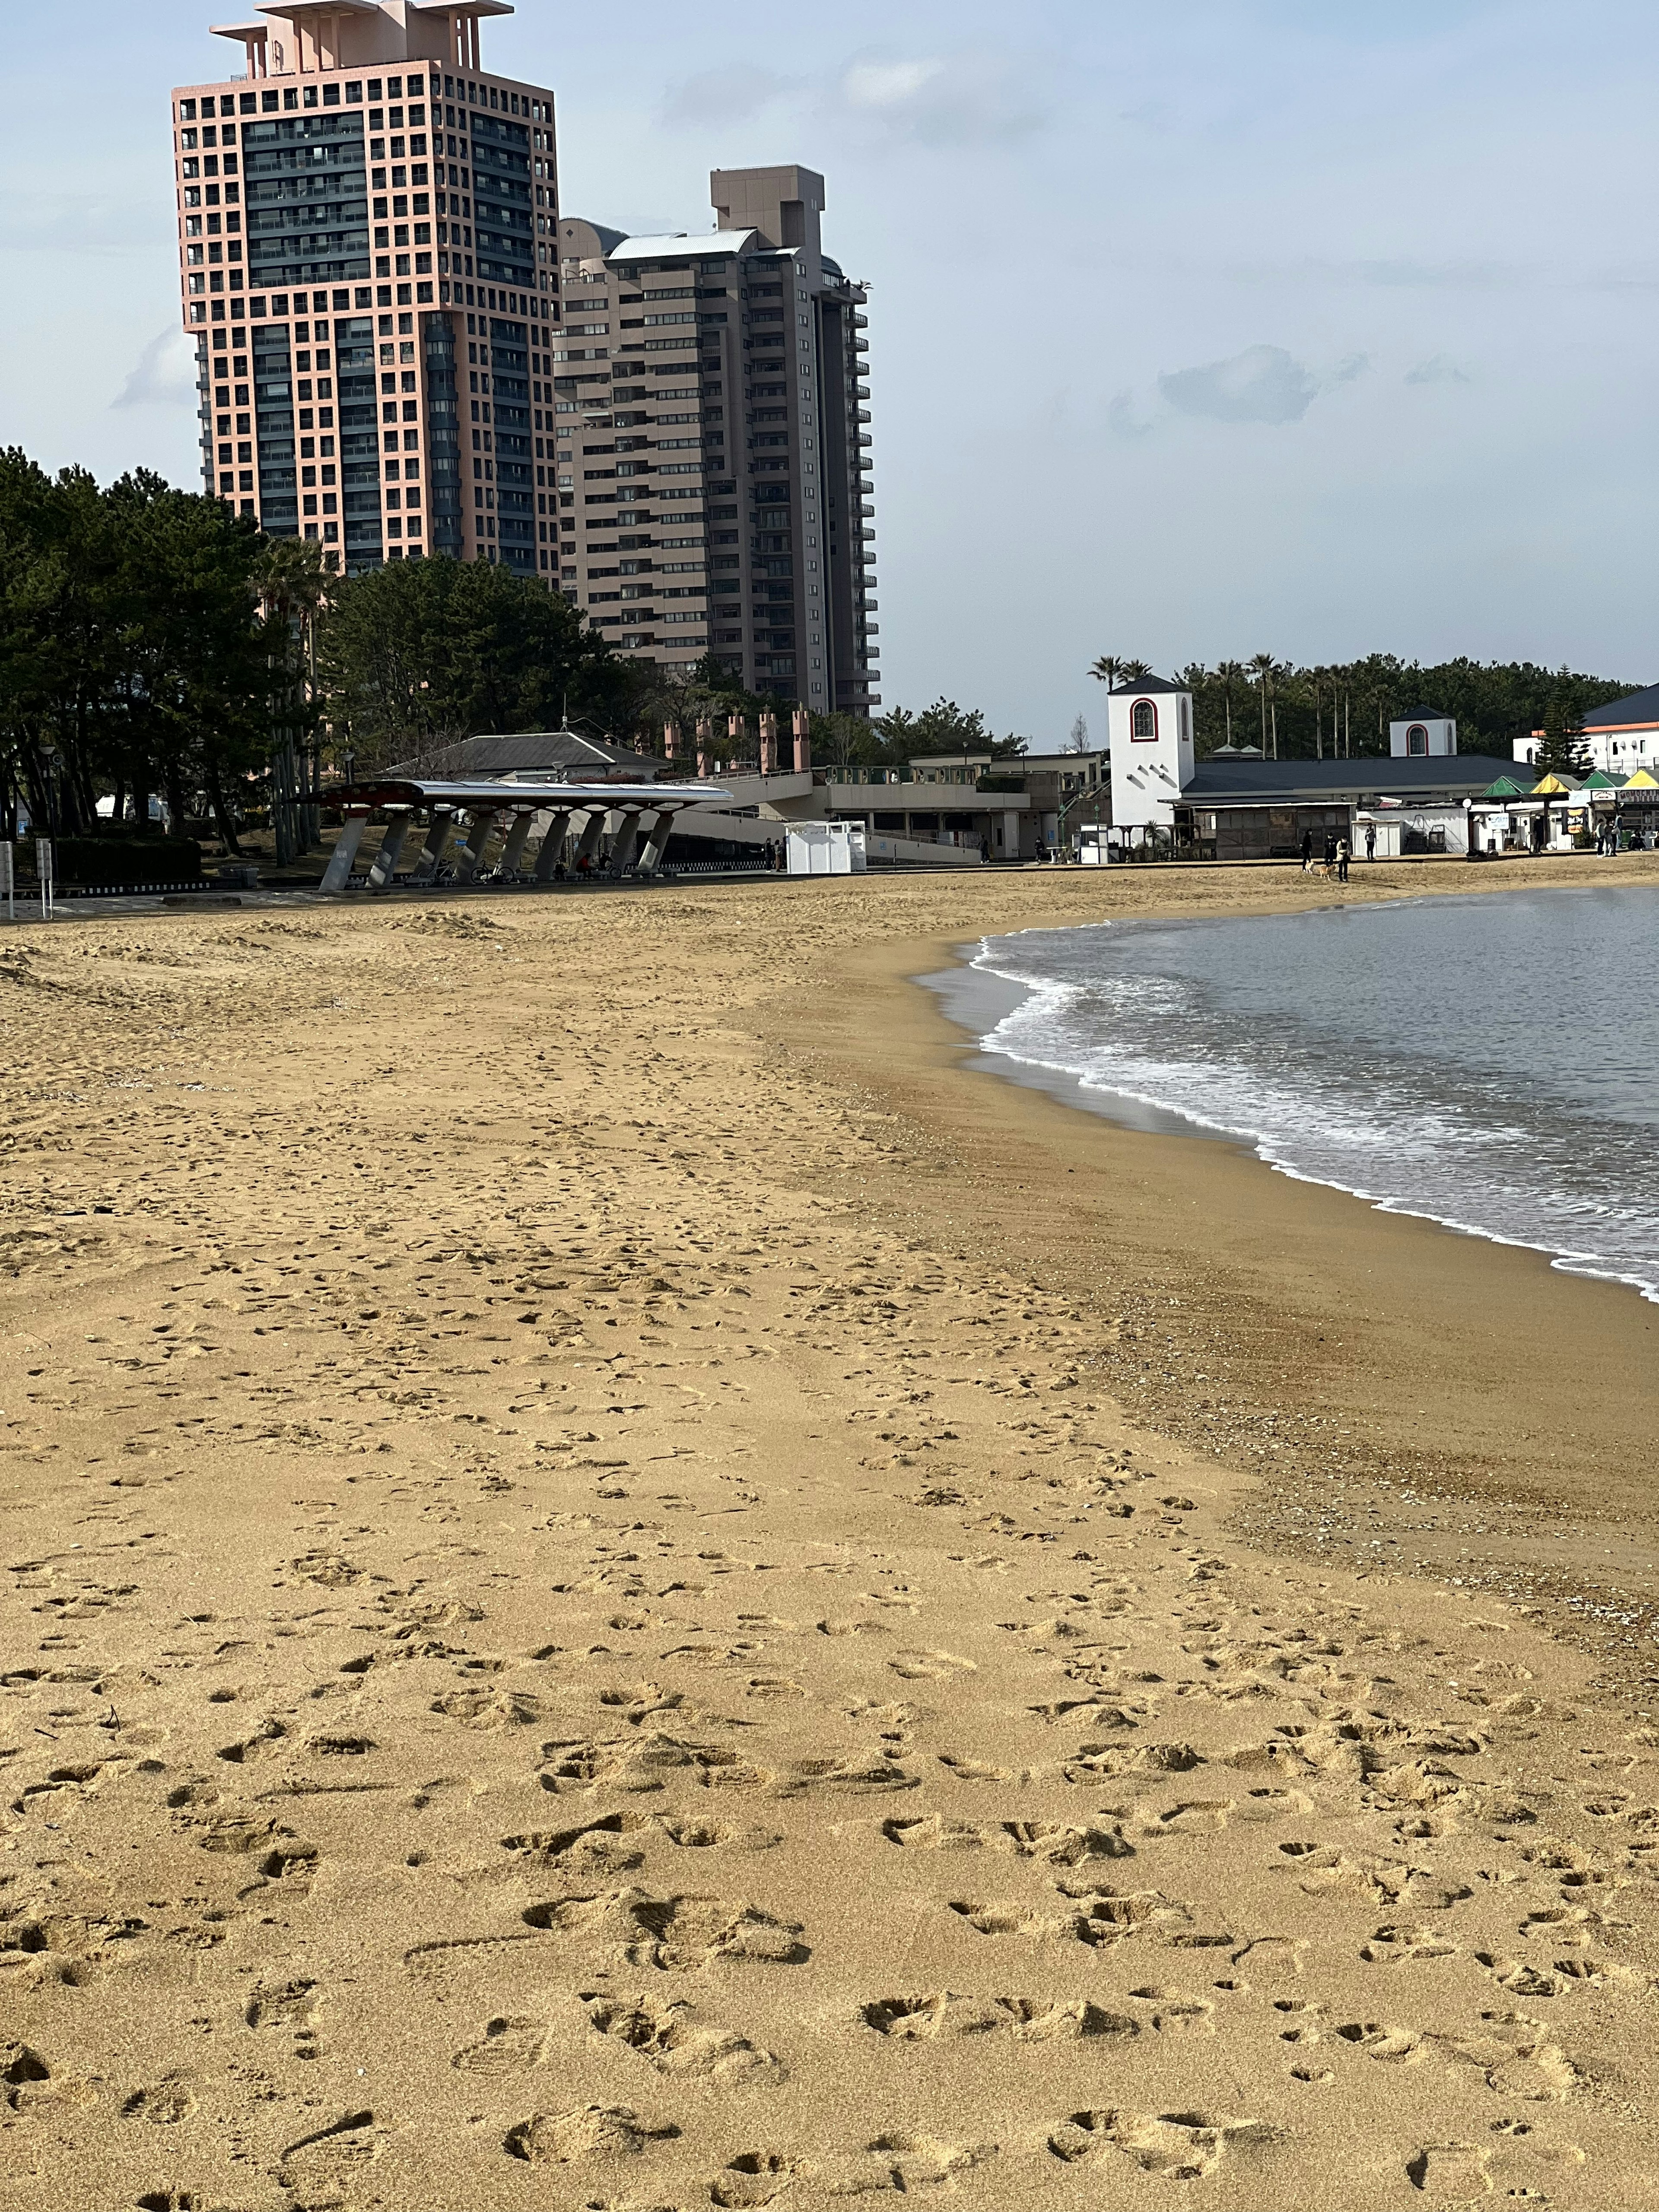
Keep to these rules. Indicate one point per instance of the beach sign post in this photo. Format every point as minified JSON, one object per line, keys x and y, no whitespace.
{"x":43,"y":869}
{"x":8,"y":878}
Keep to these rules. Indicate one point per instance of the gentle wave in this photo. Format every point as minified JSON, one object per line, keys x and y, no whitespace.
{"x":1423,"y":1061}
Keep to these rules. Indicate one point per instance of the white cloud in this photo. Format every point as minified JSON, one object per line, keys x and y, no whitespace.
{"x":1263,"y":383}
{"x":888,"y":84}
{"x":71,"y":222}
{"x":164,"y":376}
{"x":730,"y":95}
{"x":1442,"y":369}
{"x":945,"y":101}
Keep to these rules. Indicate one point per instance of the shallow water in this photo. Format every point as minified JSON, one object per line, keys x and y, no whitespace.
{"x":1490,"y":1062}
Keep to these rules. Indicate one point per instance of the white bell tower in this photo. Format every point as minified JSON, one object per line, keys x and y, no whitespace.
{"x":1150,"y":729}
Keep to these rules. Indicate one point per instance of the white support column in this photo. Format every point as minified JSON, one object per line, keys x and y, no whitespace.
{"x":516,"y":838}
{"x":437,"y":842}
{"x":337,"y":873}
{"x":552,"y":845}
{"x":627,"y":838}
{"x":478,"y":836}
{"x":661,"y":830}
{"x":385,"y":866}
{"x":593,"y":831}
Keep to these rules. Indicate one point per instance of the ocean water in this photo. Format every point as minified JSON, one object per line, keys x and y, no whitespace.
{"x":1490,"y":1062}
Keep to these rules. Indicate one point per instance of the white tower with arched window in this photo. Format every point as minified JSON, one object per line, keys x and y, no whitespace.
{"x":1426,"y":735}
{"x":1150,"y":731}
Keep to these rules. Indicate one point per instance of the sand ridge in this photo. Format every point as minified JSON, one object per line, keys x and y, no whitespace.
{"x":549,"y":1660}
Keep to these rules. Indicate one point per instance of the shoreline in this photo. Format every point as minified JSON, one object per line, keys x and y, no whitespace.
{"x":968,"y":1008}
{"x":1378,"y":1372}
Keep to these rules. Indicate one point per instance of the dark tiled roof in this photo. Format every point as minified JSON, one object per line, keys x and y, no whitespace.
{"x":1147,"y":685}
{"x":1424,"y":715}
{"x":1284,"y":782}
{"x":1640,"y":707}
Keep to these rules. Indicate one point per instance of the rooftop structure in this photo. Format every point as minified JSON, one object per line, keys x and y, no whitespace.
{"x":365,"y":226}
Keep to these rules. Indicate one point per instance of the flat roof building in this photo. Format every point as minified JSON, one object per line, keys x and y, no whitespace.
{"x":366,"y":219}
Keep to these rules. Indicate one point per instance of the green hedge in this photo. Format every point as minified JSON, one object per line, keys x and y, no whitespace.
{"x":116,"y":860}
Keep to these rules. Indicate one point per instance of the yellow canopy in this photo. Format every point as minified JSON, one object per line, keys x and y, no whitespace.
{"x":1644,"y":780}
{"x":1551,"y":787}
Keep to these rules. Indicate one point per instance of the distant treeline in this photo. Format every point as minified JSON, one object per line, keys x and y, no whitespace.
{"x":1303,"y":712}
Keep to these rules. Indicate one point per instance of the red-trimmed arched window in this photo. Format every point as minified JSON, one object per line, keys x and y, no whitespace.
{"x":1143,"y":722}
{"x":1417,"y":741}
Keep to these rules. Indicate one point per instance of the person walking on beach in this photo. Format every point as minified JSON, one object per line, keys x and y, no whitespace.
{"x":1330,"y":852}
{"x":1370,"y":840}
{"x":1342,"y":856}
{"x":1307,"y":850}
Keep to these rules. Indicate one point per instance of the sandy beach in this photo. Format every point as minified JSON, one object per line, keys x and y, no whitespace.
{"x":628,"y":1586}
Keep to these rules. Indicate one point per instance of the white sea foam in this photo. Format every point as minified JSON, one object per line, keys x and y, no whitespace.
{"x":1419,"y":1056}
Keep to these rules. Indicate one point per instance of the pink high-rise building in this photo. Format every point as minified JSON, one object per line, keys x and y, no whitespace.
{"x":367,"y":250}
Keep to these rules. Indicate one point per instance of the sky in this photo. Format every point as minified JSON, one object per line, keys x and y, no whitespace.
{"x":1314,"y":327}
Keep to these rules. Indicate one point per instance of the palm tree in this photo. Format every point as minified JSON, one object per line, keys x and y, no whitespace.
{"x":1133,"y":671}
{"x":1263,"y":666}
{"x":1107,"y":669}
{"x":1230,"y":672}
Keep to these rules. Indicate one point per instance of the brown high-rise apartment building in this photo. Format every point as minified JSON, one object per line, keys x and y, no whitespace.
{"x":365,"y":227}
{"x":701,"y":449}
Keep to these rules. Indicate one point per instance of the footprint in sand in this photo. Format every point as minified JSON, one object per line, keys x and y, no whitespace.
{"x":478,"y":1706}
{"x":944,"y":2017}
{"x":1056,"y":1842}
{"x":1195,"y":1816}
{"x":1177,"y":2146}
{"x":507,"y":2047}
{"x":1175,"y":2012}
{"x":753,"y":2178}
{"x":675,"y":1933}
{"x":930,"y":1666}
{"x":171,"y":2100}
{"x":1388,"y":2046}
{"x":645,"y":1763}
{"x":900,"y":2163}
{"x":286,"y":2006}
{"x":1414,"y":1944}
{"x":593,"y":2131}
{"x":612,"y":1845}
{"x":1518,"y":2057}
{"x":665,"y":2036}
{"x":1452,"y":2173}
{"x":27,"y":2081}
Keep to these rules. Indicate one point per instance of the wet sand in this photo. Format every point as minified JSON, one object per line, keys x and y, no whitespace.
{"x":626,"y":1587}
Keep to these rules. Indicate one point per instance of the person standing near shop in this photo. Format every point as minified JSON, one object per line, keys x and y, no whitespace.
{"x":1370,"y":840}
{"x":1342,"y":858}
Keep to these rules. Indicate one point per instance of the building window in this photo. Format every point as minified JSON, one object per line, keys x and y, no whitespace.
{"x":1417,"y":741}
{"x":1143,"y":721}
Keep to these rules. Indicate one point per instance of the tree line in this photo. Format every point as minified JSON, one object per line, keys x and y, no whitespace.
{"x":1343,"y":709}
{"x":155,"y":646}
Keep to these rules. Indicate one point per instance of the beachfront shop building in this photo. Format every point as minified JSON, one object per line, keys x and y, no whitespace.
{"x":1239,"y":805}
{"x":1566,"y":813}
